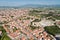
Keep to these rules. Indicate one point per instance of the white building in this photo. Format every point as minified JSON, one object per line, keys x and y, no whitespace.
{"x":47,"y":23}
{"x":58,"y":23}
{"x":43,"y":23}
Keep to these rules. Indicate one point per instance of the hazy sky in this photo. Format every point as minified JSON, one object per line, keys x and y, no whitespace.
{"x":24,"y":2}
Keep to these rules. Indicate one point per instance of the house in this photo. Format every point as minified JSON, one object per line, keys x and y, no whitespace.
{"x":36,"y":24}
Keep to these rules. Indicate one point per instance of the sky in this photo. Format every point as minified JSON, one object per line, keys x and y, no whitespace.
{"x":25,"y":2}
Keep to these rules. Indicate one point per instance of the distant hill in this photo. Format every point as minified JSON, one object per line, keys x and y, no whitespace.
{"x":30,"y":6}
{"x":37,"y":5}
